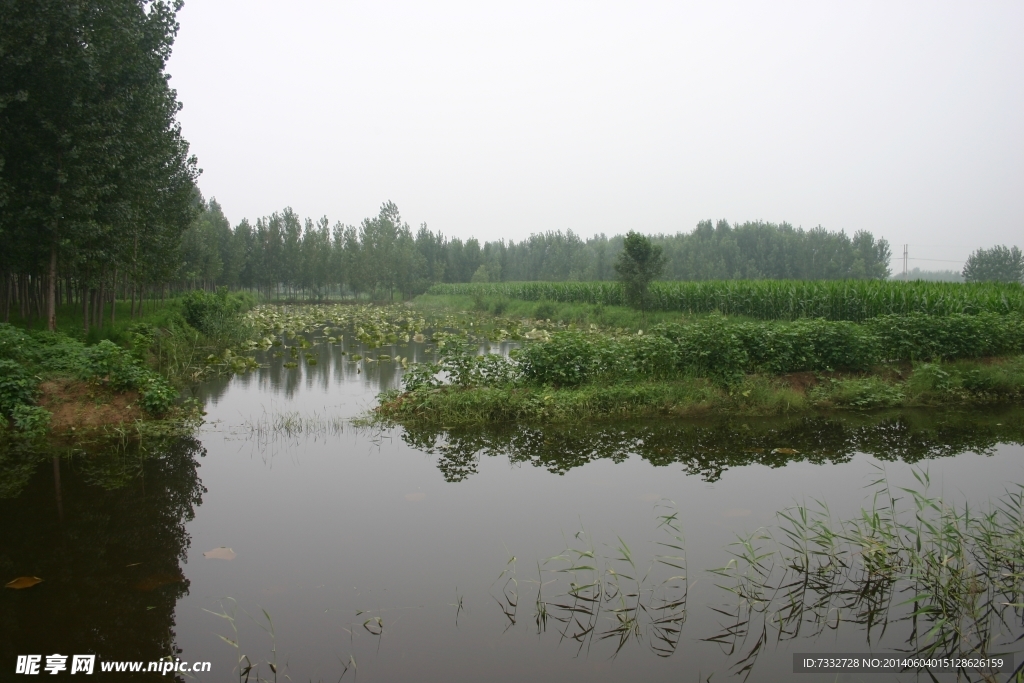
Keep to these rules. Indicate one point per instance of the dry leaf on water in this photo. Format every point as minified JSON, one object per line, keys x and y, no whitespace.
{"x":220,"y":553}
{"x":24,"y":582}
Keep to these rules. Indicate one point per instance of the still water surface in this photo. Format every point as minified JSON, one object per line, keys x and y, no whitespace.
{"x":392,"y":552}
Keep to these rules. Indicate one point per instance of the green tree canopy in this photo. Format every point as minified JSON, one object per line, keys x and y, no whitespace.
{"x":998,"y":264}
{"x":640,"y":262}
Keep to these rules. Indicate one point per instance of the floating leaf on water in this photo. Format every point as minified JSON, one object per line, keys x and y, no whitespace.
{"x":356,"y":356}
{"x":383,"y":357}
{"x":310,"y":361}
{"x":291,"y":365}
{"x":220,"y":553}
{"x":419,"y":338}
{"x":415,"y":497}
{"x":785,"y":451}
{"x":23,"y":582}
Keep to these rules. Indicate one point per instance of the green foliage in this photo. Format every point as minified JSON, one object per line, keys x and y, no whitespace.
{"x":214,"y":314}
{"x":96,"y":175}
{"x":924,"y":337}
{"x":806,"y":344}
{"x":998,"y":264}
{"x":861,"y":393}
{"x":726,"y":352}
{"x":639,"y":264}
{"x":25,"y":358}
{"x":32,"y":422}
{"x":17,"y":387}
{"x":774,"y":299}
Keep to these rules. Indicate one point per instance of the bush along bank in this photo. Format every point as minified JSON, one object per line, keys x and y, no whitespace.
{"x":712,"y":364}
{"x":50,"y":380}
{"x":56,"y":384}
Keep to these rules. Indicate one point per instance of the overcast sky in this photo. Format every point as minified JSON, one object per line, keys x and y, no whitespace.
{"x":498,"y":120}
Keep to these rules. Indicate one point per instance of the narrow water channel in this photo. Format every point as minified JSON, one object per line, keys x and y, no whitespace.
{"x":386,"y":555}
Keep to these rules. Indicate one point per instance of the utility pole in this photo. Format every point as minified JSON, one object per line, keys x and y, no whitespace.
{"x":905,"y":261}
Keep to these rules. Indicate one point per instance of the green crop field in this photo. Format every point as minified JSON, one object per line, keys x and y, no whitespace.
{"x":853,"y":300}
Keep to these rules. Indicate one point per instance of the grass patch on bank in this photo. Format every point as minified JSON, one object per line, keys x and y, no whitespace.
{"x":922,"y":384}
{"x":60,"y":384}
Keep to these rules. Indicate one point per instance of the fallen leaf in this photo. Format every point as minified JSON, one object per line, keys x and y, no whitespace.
{"x":415,"y":497}
{"x":24,"y":582}
{"x":785,"y":451}
{"x":220,"y":553}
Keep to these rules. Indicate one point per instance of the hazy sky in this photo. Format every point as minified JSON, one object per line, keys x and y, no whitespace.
{"x":498,"y":120}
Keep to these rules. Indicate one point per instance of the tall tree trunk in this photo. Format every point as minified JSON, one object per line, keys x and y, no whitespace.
{"x":8,"y":290}
{"x":113,"y":298}
{"x":85,"y":311}
{"x":51,"y":291}
{"x":101,"y":301}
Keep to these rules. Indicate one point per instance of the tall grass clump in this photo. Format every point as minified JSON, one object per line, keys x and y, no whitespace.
{"x":854,"y":300}
{"x":945,"y":580}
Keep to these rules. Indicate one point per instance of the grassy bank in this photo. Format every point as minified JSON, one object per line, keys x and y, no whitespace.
{"x":714,"y":364}
{"x":964,"y":382}
{"x":68,"y":384}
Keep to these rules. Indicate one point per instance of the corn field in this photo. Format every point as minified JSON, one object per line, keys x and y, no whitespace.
{"x":854,"y":300}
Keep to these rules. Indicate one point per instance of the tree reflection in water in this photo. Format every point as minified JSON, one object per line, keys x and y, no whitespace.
{"x":106,"y":533}
{"x":709,"y":448}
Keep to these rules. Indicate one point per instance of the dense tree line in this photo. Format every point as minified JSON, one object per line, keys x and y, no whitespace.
{"x":96,"y":182}
{"x":998,"y":264}
{"x":284,"y":255}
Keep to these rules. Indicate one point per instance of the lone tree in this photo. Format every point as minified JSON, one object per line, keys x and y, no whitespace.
{"x":639,"y":263}
{"x":998,"y":264}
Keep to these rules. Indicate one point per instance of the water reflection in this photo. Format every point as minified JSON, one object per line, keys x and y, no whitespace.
{"x":710,"y":448}
{"x":106,"y":533}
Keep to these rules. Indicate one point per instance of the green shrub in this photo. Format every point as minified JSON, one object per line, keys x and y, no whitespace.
{"x":215,"y":315}
{"x":869,"y":392}
{"x":569,"y":359}
{"x":17,"y":387}
{"x":31,"y":421}
{"x":157,"y":396}
{"x":709,"y":347}
{"x":545,"y":310}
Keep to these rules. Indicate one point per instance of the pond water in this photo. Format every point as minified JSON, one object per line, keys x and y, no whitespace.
{"x":428,"y":555}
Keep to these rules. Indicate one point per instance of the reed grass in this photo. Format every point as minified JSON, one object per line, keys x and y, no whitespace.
{"x":944,"y":580}
{"x":589,"y":595}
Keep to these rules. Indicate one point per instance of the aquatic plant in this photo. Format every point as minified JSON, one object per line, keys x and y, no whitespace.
{"x":598,"y":596}
{"x":946,"y":579}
